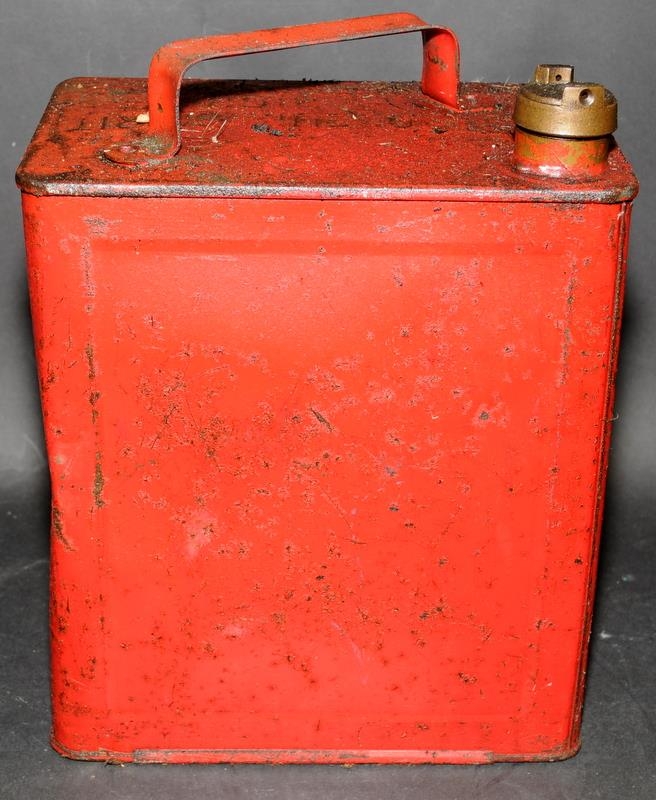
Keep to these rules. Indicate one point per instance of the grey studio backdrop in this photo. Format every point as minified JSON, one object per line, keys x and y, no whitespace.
{"x":45,"y":41}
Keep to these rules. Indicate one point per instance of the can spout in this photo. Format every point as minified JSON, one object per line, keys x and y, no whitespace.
{"x":562,"y":127}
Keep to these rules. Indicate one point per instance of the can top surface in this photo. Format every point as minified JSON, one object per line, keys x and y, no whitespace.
{"x":299,"y":139}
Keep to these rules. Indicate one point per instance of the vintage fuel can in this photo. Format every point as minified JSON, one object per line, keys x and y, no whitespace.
{"x":327,"y":380}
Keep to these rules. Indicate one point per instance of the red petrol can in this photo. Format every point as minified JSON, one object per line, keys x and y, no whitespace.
{"x":327,"y":381}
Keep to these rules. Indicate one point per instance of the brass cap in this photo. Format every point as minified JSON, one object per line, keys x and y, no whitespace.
{"x":554,"y":105}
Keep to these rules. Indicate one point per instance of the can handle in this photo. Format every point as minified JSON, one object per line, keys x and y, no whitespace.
{"x":440,"y":74}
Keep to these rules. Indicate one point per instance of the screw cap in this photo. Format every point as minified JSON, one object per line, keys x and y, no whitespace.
{"x":553,"y":104}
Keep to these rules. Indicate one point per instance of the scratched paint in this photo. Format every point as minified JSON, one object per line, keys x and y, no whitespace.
{"x":313,"y":450}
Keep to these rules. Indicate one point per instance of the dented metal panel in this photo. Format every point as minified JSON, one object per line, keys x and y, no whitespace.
{"x":327,"y":431}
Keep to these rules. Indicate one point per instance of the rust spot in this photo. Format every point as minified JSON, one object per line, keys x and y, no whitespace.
{"x":98,"y":482}
{"x":280,"y":618}
{"x":321,"y":419}
{"x":486,"y":633}
{"x":397,"y":122}
{"x":90,"y":361}
{"x":439,"y":62}
{"x":466,"y":678}
{"x":93,"y":400}
{"x":88,"y":671}
{"x":432,"y":612}
{"x":58,"y":528}
{"x":262,"y":128}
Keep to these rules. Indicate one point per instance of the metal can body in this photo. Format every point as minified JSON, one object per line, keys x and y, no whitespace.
{"x":327,"y":464}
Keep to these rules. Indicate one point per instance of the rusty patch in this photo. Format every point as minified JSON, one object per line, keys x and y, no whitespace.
{"x":467,"y":678}
{"x":263,"y":128}
{"x":98,"y":482}
{"x":57,"y":528}
{"x":88,"y":351}
{"x":94,"y":396}
{"x":320,"y":418}
{"x":433,"y":612}
{"x":439,"y":62}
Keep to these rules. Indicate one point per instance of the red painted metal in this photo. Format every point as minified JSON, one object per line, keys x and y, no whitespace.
{"x":327,"y":400}
{"x":439,"y":80}
{"x":561,"y":157}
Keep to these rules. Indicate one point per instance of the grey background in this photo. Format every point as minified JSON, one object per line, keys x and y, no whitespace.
{"x":45,"y":41}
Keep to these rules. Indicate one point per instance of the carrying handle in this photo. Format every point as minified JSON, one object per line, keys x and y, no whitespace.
{"x":439,"y":79}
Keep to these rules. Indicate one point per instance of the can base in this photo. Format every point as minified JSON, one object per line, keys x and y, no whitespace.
{"x":300,"y":756}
